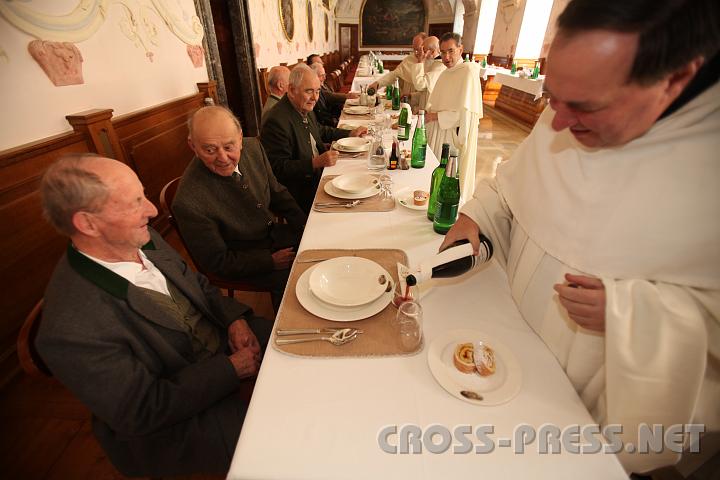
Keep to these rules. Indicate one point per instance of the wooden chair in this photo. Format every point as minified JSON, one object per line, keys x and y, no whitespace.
{"x":166,"y":198}
{"x":30,"y":360}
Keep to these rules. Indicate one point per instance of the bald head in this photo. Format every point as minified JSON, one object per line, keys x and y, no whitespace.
{"x":431,"y":47}
{"x":278,"y":78}
{"x":215,"y":135}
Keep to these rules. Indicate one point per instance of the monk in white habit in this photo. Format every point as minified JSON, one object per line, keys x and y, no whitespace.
{"x":426,"y":73}
{"x":455,"y":109}
{"x":607,"y":218}
{"x":403,"y":72}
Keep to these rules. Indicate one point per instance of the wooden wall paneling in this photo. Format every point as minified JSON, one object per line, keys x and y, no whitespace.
{"x":96,"y":126}
{"x":263,"y":84}
{"x":154,"y":142}
{"x":29,"y":246}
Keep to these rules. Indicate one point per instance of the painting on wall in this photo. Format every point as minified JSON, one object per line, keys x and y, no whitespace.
{"x":286,"y":18}
{"x":327,"y":28}
{"x":309,"y":20}
{"x":391,"y":23}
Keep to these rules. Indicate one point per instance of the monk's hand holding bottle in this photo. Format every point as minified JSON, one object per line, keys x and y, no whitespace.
{"x":584,"y":298}
{"x":464,"y":229}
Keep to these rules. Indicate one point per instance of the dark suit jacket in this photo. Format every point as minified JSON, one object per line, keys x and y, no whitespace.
{"x":156,"y":409}
{"x":324,"y":113}
{"x":286,"y":140}
{"x":226,"y":223}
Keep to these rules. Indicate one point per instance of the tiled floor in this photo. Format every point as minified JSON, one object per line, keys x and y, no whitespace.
{"x":498,"y":138}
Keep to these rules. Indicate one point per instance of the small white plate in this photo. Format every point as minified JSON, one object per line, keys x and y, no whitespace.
{"x":356,"y":110}
{"x":352,"y":101}
{"x":355,"y":182}
{"x":331,"y":190}
{"x":352,"y":144}
{"x":405,"y":198}
{"x":337,"y":314}
{"x":495,"y":389}
{"x":347,"y":281}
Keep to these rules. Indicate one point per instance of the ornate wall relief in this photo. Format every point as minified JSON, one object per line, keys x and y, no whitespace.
{"x":196,"y":54}
{"x":61,"y":61}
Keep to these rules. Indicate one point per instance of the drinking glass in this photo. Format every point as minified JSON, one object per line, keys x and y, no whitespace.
{"x":385,"y":187}
{"x":376,"y":155}
{"x":409,"y":325}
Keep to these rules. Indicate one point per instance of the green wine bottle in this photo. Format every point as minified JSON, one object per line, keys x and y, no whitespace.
{"x":403,"y":123}
{"x":484,"y":63}
{"x":448,"y":197}
{"x":389,"y":92}
{"x":396,"y":96}
{"x":435,"y":179}
{"x":536,"y":71}
{"x":419,"y":142}
{"x":513,"y":69}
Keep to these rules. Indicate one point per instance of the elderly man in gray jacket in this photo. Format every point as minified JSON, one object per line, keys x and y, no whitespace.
{"x":227,"y":203}
{"x":153,"y":350}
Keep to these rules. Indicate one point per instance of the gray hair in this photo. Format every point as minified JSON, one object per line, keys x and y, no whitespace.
{"x":214,"y":109}
{"x":68,"y":187}
{"x":316,"y":67}
{"x":451,"y":36}
{"x":431,"y":43}
{"x":297,"y":74}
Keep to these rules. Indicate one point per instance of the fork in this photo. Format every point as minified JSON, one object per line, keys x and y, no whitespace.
{"x":339,"y":204}
{"x":303,"y":331}
{"x":341,"y":337}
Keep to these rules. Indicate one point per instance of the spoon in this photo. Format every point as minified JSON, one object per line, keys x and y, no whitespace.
{"x":341,"y":337}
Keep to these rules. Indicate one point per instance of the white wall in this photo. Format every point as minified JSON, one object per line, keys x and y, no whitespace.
{"x":271,"y":46}
{"x":557,"y":9}
{"x":116,"y":71}
{"x":507,"y":27}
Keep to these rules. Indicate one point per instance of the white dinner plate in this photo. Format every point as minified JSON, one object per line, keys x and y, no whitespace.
{"x":352,"y":144}
{"x":347,"y":281}
{"x":405,"y":198}
{"x":355,"y":182}
{"x":495,"y":389}
{"x":331,"y":190}
{"x":356,"y":110}
{"x":331,"y":312}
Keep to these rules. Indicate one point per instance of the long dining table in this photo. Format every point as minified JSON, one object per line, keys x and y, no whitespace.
{"x":350,"y":418}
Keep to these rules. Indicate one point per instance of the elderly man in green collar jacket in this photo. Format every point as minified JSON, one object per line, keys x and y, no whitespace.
{"x":153,"y":350}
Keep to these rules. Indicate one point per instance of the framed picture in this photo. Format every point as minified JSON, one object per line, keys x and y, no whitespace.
{"x":327,"y":28}
{"x":391,"y":23}
{"x":309,"y":20}
{"x":287,"y":20}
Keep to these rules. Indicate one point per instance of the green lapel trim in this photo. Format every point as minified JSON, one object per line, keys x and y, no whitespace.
{"x":106,"y":279}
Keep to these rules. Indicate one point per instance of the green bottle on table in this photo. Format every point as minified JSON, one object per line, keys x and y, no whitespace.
{"x":448,"y":197}
{"x":388,"y":92}
{"x":396,"y":96}
{"x":484,"y":63}
{"x":536,"y":71}
{"x":403,"y":123}
{"x":419,"y":142}
{"x":435,"y":179}
{"x":513,"y":69}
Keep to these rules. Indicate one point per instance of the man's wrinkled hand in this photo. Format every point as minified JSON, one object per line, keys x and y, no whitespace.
{"x":362,"y":130}
{"x":282,"y":259}
{"x":245,"y":362}
{"x":240,"y":336}
{"x":584,"y":299}
{"x":327,"y":159}
{"x":464,"y":229}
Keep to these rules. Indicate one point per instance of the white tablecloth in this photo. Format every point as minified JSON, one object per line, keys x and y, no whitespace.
{"x":491,"y":71}
{"x":320,"y":418}
{"x":359,"y":81}
{"x":533,"y":87}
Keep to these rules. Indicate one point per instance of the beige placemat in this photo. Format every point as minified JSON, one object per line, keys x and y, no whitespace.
{"x":378,"y":337}
{"x":370,"y":204}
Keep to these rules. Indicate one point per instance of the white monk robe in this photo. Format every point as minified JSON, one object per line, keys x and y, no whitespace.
{"x":403,"y":72}
{"x":424,"y":77}
{"x":645,"y":218}
{"x":457,"y":99}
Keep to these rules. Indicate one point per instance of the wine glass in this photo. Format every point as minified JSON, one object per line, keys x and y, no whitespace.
{"x":409,"y":325}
